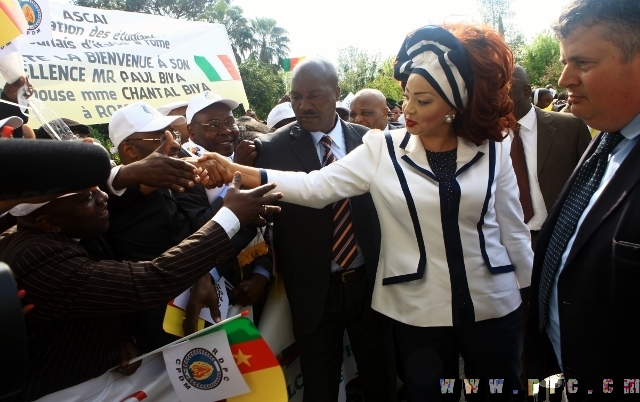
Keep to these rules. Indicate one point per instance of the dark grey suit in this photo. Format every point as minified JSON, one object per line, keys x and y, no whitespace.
{"x":303,"y":240}
{"x":562,"y":139}
{"x":598,"y":298}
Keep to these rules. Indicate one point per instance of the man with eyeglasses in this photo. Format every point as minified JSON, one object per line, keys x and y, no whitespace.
{"x":146,"y":221}
{"x":212,"y":128}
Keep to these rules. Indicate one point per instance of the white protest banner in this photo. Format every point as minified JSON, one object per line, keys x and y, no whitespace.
{"x":100,"y":60}
{"x":249,"y":354}
{"x":204,"y":370}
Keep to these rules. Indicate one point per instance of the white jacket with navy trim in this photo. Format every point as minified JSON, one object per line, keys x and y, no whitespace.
{"x":413,"y":283}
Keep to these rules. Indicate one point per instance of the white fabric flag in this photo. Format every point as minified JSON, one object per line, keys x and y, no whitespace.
{"x":223,"y":301}
{"x":204,"y":370}
{"x":149,"y":383}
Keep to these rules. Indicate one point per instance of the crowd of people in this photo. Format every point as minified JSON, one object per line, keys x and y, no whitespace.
{"x":476,"y":218}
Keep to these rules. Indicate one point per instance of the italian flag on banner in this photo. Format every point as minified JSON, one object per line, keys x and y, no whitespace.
{"x":289,"y":64}
{"x":12,"y":21}
{"x":220,"y":68}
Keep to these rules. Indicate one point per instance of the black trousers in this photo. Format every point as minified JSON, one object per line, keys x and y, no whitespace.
{"x":490,"y":349}
{"x":348,"y":306}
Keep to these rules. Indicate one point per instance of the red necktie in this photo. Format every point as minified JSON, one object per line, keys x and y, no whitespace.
{"x":344,"y":250}
{"x":522,"y":175}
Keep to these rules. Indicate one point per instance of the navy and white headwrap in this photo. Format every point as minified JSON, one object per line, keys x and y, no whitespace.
{"x":438,"y":56}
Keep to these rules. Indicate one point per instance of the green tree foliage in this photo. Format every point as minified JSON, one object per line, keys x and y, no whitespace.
{"x":263,"y":85}
{"x":356,"y":69}
{"x":498,"y":14}
{"x":186,"y":9}
{"x":270,"y":42}
{"x":384,"y":81}
{"x":541,"y":59}
{"x":238,"y":28}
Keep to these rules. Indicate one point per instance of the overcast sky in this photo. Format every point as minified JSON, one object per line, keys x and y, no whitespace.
{"x":321,"y":27}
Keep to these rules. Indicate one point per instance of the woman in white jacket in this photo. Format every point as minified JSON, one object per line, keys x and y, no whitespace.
{"x":455,"y":249}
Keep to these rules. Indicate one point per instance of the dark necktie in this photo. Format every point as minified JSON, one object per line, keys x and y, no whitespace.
{"x":587,"y":181}
{"x":344,"y":240}
{"x":522,"y":175}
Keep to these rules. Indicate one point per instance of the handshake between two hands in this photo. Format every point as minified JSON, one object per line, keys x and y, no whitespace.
{"x":219,"y":169}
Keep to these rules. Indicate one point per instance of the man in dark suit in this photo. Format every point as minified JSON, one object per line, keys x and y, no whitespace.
{"x":584,"y":317}
{"x":553,"y":144}
{"x":327,"y":292}
{"x":369,"y":108}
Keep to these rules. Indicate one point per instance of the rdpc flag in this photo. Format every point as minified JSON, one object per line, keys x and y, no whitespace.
{"x":204,"y":370}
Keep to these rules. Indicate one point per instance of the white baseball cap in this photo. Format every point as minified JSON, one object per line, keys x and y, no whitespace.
{"x":13,"y":121}
{"x":280,"y":112}
{"x":339,"y":105}
{"x":138,"y":117}
{"x":166,"y":109}
{"x":205,"y":99}
{"x":26,"y":209}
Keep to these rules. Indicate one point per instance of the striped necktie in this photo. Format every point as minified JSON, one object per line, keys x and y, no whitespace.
{"x":584,"y":186}
{"x":344,"y":240}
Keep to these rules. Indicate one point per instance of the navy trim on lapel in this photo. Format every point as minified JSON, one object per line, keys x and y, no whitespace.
{"x":405,"y":140}
{"x":470,"y":163}
{"x":302,"y":145}
{"x":418,"y":168}
{"x":483,"y":247}
{"x":422,"y":262}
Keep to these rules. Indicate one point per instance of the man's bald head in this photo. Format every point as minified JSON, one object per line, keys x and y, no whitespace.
{"x":320,"y":69}
{"x":314,"y":93}
{"x":369,"y":108}
{"x":520,"y":92}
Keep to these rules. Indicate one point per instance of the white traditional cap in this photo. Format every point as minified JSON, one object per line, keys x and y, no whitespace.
{"x":280,"y":112}
{"x":166,"y":109}
{"x":339,"y":105}
{"x":206,"y":99}
{"x":12,"y":121}
{"x":26,"y":209}
{"x":138,"y":117}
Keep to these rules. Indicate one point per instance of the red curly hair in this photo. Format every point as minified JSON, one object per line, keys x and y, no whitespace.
{"x":489,"y":111}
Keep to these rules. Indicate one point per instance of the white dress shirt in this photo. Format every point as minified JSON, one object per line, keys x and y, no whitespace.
{"x":529,"y":135}
{"x":339,"y":150}
{"x":631,"y":136}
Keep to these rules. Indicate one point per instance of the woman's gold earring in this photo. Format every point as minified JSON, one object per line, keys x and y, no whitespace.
{"x":449,"y":118}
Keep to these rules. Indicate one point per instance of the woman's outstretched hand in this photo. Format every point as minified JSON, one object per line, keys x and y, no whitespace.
{"x":217,"y":166}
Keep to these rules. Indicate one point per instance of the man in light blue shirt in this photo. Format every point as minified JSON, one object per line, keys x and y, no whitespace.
{"x":584,"y":296}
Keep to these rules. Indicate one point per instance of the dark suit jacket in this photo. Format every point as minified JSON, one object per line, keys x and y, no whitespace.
{"x":562,"y":139}
{"x":302,"y":236}
{"x":599,"y":302}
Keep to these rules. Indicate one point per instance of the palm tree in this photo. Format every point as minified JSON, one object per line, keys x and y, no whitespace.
{"x":238,"y":29}
{"x":270,"y":42}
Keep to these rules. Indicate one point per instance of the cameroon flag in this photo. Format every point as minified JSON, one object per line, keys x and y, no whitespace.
{"x":256,"y":362}
{"x":289,"y":64}
{"x":12,"y":21}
